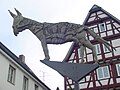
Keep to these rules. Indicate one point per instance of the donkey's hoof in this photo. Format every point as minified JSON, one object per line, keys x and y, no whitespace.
{"x":47,"y":58}
{"x":97,"y":63}
{"x":82,"y":61}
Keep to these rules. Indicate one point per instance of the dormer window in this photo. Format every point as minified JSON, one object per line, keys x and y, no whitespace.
{"x":102,"y":27}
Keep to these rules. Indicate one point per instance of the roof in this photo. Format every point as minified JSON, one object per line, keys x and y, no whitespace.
{"x":94,"y":8}
{"x":16,"y":59}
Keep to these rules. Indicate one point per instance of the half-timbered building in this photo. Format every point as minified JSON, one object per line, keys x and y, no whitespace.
{"x":107,"y":76}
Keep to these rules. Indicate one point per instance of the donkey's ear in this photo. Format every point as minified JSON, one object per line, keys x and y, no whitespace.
{"x":12,"y":14}
{"x":18,"y":13}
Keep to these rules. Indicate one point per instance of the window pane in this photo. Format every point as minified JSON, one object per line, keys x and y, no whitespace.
{"x":100,"y":74}
{"x":105,"y":71}
{"x":25,"y":83}
{"x":98,"y":48}
{"x":102,"y":27}
{"x":11,"y":74}
{"x":36,"y":87}
{"x":118,"y":69}
{"x":105,"y":48}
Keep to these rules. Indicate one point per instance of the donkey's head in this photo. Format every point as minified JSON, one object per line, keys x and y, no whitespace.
{"x":17,"y":26}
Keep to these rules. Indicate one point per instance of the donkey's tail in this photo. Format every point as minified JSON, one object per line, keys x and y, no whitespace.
{"x":100,"y":39}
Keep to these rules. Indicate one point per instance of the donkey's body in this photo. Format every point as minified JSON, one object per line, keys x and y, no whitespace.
{"x":57,"y":33}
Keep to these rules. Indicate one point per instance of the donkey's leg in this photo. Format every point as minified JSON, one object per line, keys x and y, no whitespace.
{"x":42,"y":38}
{"x":88,"y":44}
{"x":100,"y":39}
{"x":82,"y":49}
{"x":45,"y":49}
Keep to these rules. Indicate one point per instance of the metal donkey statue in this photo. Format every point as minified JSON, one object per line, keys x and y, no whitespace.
{"x":57,"y":33}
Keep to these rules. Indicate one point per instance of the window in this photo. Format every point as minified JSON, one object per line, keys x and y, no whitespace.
{"x":102,"y":27}
{"x":97,"y":46}
{"x":25,"y":83}
{"x":36,"y":87}
{"x":118,"y":69}
{"x":11,"y":74}
{"x":105,"y":48}
{"x":103,"y":72}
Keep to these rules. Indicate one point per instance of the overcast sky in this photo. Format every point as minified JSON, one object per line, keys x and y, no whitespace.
{"x":52,"y":11}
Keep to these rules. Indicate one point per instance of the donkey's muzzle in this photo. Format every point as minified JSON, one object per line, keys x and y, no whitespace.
{"x":15,"y":33}
{"x":15,"y":30}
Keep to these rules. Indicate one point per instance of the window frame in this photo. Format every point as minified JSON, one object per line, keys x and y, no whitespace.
{"x":103,"y":73}
{"x":36,"y":87}
{"x":105,"y":49}
{"x":11,"y":74}
{"x":98,"y":49}
{"x":101,"y":27}
{"x":25,"y":83}
{"x":118,"y":71}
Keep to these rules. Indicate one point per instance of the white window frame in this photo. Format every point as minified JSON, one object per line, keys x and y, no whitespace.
{"x":25,"y":83}
{"x":11,"y":74}
{"x":36,"y":87}
{"x":102,"y":27}
{"x":103,"y":72}
{"x":105,"y":48}
{"x":97,"y":47}
{"x":118,"y":69}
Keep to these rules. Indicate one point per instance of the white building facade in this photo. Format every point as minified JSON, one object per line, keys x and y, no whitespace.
{"x":15,"y":74}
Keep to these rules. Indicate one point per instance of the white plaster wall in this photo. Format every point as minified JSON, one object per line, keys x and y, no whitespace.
{"x":3,"y":73}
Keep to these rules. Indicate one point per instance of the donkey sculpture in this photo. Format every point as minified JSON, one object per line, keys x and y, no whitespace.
{"x":57,"y":33}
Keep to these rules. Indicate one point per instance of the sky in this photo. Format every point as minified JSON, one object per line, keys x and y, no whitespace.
{"x":51,"y":11}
